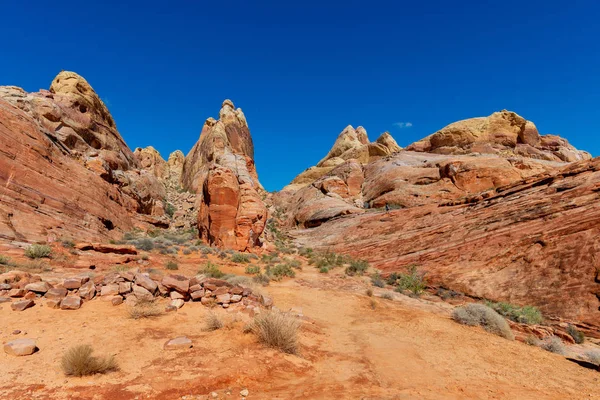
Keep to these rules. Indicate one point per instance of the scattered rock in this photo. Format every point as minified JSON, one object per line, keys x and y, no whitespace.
{"x":181,"y":342}
{"x":54,"y":303}
{"x":177,"y":303}
{"x":56,"y":293}
{"x":244,"y":392}
{"x":117,"y":300}
{"x":22,"y":305}
{"x":16,"y":293}
{"x":176,"y":282}
{"x":87,"y":291}
{"x":38,"y":287}
{"x":20,"y":347}
{"x":70,"y":303}
{"x":145,"y":282}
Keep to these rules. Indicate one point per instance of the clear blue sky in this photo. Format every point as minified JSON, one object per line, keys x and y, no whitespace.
{"x":302,"y":71}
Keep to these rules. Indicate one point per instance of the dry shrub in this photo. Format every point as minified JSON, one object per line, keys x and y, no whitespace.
{"x":212,"y":322}
{"x":553,"y":344}
{"x":144,"y":309}
{"x":484,"y":316}
{"x":369,"y":292}
{"x":78,"y":361}
{"x":277,"y":330}
{"x":387,"y":296}
{"x":594,"y":356}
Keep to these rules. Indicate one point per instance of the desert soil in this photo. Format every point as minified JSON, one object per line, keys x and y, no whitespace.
{"x":351,"y":347}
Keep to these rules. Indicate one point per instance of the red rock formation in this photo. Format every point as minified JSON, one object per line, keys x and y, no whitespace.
{"x":220,"y":169}
{"x":46,"y":194}
{"x":531,"y":242}
{"x":72,"y":115}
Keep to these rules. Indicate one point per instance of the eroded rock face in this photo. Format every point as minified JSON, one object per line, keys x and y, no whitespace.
{"x":505,"y":133}
{"x":72,"y":122}
{"x":46,"y":194}
{"x":531,"y":242}
{"x":220,"y":170}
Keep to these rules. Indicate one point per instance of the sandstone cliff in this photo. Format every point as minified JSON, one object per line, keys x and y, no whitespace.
{"x":74,"y":118}
{"x":220,"y":170}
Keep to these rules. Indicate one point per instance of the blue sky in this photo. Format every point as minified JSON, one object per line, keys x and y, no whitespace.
{"x":302,"y":71}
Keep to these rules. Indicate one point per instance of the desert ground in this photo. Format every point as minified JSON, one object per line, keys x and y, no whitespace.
{"x":352,"y":346}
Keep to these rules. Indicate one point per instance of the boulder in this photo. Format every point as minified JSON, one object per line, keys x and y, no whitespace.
{"x":223,"y":298}
{"x":20,"y":347}
{"x":142,"y":293}
{"x":117,"y":300}
{"x":87,"y":291}
{"x":110,"y":290}
{"x":38,"y":287}
{"x":16,"y":292}
{"x":53,"y":303}
{"x":22,"y":305}
{"x":176,"y":282}
{"x":70,"y":303}
{"x":145,"y":282}
{"x":197,"y":295}
{"x":56,"y":293}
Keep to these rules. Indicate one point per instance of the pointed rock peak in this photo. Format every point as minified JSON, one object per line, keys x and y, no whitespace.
{"x":227,"y":103}
{"x":176,"y":158}
{"x":210,"y":121}
{"x":388,"y":141}
{"x":361,"y":134}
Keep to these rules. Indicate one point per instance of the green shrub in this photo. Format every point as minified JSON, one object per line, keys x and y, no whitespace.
{"x":412,"y":281}
{"x":323,"y":270}
{"x":377,"y":281}
{"x":525,"y":315}
{"x":576,"y":334}
{"x":187,"y":252}
{"x":144,"y":244}
{"x":170,"y":209}
{"x":282,"y":270}
{"x":78,"y":361}
{"x":240,"y":258}
{"x":294,"y":264}
{"x":211,"y":270}
{"x":475,"y":314}
{"x":305,"y":251}
{"x":171,"y":265}
{"x":253,"y":270}
{"x":357,"y":267}
{"x":38,"y":251}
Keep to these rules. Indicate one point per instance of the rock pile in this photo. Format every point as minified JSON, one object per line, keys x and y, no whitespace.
{"x":24,"y":289}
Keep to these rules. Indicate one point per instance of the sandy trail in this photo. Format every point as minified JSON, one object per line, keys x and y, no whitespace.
{"x":407,"y":349}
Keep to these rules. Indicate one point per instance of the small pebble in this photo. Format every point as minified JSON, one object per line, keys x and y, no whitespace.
{"x":16,"y":332}
{"x":244,"y":393}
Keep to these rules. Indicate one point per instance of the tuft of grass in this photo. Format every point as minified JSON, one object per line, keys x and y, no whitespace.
{"x":412,"y":281}
{"x":144,"y":309}
{"x":38,"y":251}
{"x":67,"y":243}
{"x":212,"y":322}
{"x":79,"y":361}
{"x":171,"y":265}
{"x":240,"y":258}
{"x":576,"y":334}
{"x":145,"y":257}
{"x":552,"y":344}
{"x":170,"y":209}
{"x":277,"y":330}
{"x":357,"y":267}
{"x":373,"y":304}
{"x":323,"y":270}
{"x":526,"y":315}
{"x":211,"y":270}
{"x":481,"y":315}
{"x":369,"y":292}
{"x":532,"y":340}
{"x":253,"y":270}
{"x":387,"y":296}
{"x":262,"y":279}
